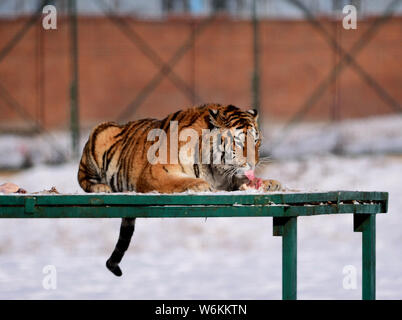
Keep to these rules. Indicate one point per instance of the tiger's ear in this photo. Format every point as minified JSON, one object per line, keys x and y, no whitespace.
{"x":254,"y":113}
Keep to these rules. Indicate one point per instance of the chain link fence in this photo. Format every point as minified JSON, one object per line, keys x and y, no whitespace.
{"x":122,"y":60}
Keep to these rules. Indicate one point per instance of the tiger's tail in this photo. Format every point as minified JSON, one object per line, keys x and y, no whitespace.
{"x":126,"y":232}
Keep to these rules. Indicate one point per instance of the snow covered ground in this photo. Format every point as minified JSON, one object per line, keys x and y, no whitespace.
{"x":236,"y":258}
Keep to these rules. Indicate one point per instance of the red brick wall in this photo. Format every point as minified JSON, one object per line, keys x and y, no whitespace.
{"x":295,"y":58}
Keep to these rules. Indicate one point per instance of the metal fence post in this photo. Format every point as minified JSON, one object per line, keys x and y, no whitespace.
{"x":365,"y":223}
{"x":287,"y":228}
{"x":74,"y":102}
{"x":255,"y":85}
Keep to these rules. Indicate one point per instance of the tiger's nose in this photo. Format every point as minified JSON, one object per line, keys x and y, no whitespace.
{"x":247,"y":165}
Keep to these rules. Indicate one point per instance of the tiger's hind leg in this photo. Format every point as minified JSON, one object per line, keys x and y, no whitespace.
{"x":126,"y":232}
{"x":88,"y":176}
{"x":100,"y":187}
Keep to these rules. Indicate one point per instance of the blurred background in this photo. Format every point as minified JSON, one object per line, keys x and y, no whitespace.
{"x":330,"y":103}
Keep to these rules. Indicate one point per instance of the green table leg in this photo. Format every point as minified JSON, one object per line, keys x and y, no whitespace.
{"x":287,"y":228}
{"x":365,"y":223}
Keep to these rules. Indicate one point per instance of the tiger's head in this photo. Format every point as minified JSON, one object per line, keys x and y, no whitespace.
{"x":237,"y":140}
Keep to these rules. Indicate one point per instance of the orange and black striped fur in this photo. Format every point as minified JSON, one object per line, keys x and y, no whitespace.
{"x":115,"y":160}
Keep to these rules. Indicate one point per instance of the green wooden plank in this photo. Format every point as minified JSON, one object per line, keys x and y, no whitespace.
{"x":363,"y":196}
{"x":14,"y":200}
{"x":189,"y":199}
{"x":126,"y":199}
{"x":333,"y":196}
{"x":183,"y":211}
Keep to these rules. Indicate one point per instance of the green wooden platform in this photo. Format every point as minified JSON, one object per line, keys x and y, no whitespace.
{"x":283,"y":207}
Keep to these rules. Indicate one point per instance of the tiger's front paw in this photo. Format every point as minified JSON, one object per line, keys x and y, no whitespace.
{"x":272,"y":185}
{"x":199,"y":186}
{"x":100,"y":187}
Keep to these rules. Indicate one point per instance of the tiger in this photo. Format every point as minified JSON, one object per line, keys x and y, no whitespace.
{"x":116,"y":159}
